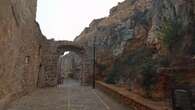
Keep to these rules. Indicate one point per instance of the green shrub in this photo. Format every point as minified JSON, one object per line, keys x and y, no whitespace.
{"x":101,"y":67}
{"x":164,"y":61}
{"x":170,"y":33}
{"x":139,"y":62}
{"x":149,"y":68}
{"x":114,"y":76}
{"x":138,"y":56}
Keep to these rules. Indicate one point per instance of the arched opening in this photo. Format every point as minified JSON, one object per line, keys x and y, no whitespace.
{"x":50,"y":72}
{"x":69,"y":67}
{"x":71,"y":63}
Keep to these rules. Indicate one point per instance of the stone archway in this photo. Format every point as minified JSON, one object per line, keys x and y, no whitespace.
{"x":63,"y":46}
{"x":51,"y":51}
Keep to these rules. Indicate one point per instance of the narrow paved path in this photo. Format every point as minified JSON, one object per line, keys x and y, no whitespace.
{"x":69,"y":96}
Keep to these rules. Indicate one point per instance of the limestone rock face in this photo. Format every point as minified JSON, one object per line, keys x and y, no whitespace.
{"x":177,"y":10}
{"x":128,"y":21}
{"x":132,"y":26}
{"x":20,"y":39}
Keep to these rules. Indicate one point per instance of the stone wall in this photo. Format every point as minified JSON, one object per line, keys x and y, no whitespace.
{"x":65,"y":71}
{"x":20,"y":39}
{"x":27,"y":60}
{"x":130,"y":99}
{"x":51,"y":51}
{"x":49,"y":57}
{"x":67,"y":64}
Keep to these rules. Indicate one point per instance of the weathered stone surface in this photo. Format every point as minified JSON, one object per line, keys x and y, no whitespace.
{"x":127,"y":21}
{"x":27,"y":58}
{"x":20,"y":39}
{"x":67,"y":66}
{"x":49,"y":74}
{"x":134,"y":25}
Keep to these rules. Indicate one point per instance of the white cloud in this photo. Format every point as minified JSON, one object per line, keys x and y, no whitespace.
{"x":65,"y":19}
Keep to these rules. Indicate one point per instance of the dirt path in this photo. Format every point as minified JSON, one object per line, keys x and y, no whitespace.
{"x":69,"y":96}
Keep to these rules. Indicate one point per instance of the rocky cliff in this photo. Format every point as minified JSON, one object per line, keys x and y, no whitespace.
{"x":137,"y":38}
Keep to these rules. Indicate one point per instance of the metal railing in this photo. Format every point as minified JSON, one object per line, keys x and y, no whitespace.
{"x":183,"y":97}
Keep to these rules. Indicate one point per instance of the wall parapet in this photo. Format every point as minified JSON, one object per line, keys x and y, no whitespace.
{"x":132,"y":100}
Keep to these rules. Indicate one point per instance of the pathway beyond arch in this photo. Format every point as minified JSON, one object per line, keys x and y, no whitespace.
{"x":68,"y":96}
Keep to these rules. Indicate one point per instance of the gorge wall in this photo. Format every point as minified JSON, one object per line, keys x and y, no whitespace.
{"x":138,"y":38}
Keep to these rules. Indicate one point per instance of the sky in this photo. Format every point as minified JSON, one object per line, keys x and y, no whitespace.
{"x":66,"y":19}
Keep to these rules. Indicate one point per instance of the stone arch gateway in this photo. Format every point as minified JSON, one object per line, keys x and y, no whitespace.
{"x":50,"y":52}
